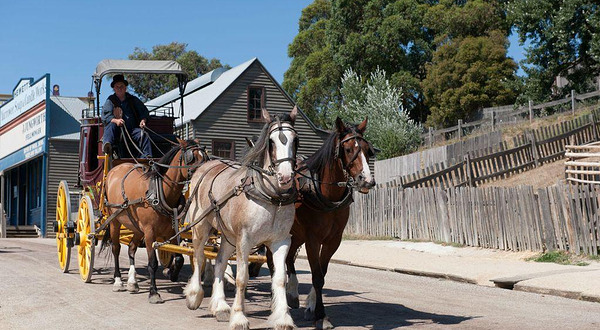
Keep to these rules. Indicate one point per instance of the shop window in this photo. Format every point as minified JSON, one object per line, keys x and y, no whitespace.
{"x":256,"y":102}
{"x":223,"y":149}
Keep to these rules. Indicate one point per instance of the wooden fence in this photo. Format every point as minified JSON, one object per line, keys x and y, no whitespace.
{"x":389,"y":169}
{"x":546,"y":144}
{"x":495,"y":117}
{"x":561,"y":217}
{"x":583,"y":163}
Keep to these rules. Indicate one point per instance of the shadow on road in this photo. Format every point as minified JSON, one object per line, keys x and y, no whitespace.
{"x":377,"y":315}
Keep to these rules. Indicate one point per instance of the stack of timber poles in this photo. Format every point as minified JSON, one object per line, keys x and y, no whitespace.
{"x":583,"y":163}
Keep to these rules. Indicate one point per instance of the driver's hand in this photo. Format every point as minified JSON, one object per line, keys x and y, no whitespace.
{"x":143,"y":123}
{"x":118,"y":122}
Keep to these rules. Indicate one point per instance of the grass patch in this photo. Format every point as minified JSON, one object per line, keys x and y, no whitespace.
{"x":563,"y":258}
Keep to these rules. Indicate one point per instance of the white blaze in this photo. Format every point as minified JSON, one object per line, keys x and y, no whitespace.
{"x":366,"y":171}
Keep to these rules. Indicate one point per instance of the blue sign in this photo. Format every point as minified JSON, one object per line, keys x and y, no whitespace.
{"x":19,"y":156}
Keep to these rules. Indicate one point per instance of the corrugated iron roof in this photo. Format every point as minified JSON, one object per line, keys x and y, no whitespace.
{"x":71,"y":105}
{"x":195,"y":103}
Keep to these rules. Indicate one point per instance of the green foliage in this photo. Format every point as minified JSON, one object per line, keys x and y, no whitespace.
{"x":467,"y":74}
{"x":564,"y":40}
{"x":312,"y":77}
{"x":397,"y":36}
{"x":150,"y":86}
{"x":561,"y":258}
{"x":390,"y":129}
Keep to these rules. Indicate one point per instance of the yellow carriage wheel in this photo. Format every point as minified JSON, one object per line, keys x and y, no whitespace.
{"x":63,"y":214}
{"x":85,"y":250}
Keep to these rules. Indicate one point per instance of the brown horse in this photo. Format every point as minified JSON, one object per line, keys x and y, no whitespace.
{"x":326,"y":181}
{"x":135,"y":192}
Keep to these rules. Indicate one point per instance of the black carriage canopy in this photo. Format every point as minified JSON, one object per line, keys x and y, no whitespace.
{"x":138,"y":67}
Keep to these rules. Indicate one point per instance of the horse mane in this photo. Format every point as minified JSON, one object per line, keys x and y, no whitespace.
{"x":323,"y":157}
{"x":256,"y":153}
{"x":156,"y":171}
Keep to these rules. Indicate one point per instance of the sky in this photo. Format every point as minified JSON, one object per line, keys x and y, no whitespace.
{"x":68,"y":38}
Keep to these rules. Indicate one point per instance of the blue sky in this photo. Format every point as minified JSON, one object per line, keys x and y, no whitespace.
{"x":68,"y":38}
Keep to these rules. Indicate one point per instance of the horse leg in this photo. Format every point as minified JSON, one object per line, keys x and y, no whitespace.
{"x":218,"y":306}
{"x":280,"y":317}
{"x":194,"y":293}
{"x":292,"y":295}
{"x":132,"y":284}
{"x":229,"y":278}
{"x":208,"y":278}
{"x":175,"y":268}
{"x":115,"y":232}
{"x":238,"y":320}
{"x":313,"y":248}
{"x":153,"y":297}
{"x":327,"y":250}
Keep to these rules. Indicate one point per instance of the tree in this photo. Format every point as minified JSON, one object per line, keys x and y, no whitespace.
{"x":564,"y":40}
{"x":390,"y":128}
{"x":312,"y":78}
{"x":150,"y":86}
{"x":467,"y":74}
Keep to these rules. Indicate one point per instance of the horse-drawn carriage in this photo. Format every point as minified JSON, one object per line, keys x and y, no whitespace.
{"x":260,"y":200}
{"x":84,"y":231}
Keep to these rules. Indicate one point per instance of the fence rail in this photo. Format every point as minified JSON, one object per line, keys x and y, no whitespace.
{"x":561,"y":217}
{"x":546,"y":144}
{"x":494,"y":117}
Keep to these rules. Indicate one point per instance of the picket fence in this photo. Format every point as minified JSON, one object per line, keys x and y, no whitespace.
{"x":561,"y":217}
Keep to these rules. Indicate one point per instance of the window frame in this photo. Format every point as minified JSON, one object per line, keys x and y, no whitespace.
{"x":262,"y":103}
{"x":231,"y":151}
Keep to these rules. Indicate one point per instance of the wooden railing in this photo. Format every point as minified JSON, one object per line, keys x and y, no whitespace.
{"x":544,"y":145}
{"x":561,"y":217}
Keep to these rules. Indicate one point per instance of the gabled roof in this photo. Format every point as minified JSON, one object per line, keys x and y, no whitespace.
{"x":202,"y":98}
{"x":71,"y":105}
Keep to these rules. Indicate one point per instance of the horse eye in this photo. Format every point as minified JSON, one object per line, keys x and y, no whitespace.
{"x":348,"y":150}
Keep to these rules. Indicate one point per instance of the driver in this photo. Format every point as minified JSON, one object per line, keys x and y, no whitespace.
{"x":122,"y":109}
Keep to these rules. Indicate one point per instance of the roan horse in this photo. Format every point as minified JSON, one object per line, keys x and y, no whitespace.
{"x":326,"y":181}
{"x":250,"y":204}
{"x":144,"y":201}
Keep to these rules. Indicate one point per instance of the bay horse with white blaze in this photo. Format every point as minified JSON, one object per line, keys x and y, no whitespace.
{"x":143,"y":201}
{"x":251,"y":203}
{"x":326,"y":182}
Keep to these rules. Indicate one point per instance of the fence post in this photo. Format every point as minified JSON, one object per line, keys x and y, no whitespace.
{"x":459,"y":129}
{"x":530,"y":111}
{"x":430,"y":136}
{"x":469,"y":173}
{"x":594,"y":128}
{"x":573,"y":101}
{"x":493,"y":120}
{"x":534,"y":149}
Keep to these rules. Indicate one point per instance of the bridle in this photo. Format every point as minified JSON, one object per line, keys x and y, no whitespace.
{"x":338,"y":151}
{"x":284,"y":140}
{"x":187,"y":158}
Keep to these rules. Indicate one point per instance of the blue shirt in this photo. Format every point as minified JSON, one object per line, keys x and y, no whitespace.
{"x":130,"y":104}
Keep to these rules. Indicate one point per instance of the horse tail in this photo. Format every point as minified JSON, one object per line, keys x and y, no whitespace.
{"x":106,"y":241}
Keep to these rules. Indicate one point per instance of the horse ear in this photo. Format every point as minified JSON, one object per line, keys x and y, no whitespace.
{"x":293,"y":114}
{"x":339,"y":125}
{"x":363,"y":126}
{"x":265,"y":115}
{"x":181,"y":142}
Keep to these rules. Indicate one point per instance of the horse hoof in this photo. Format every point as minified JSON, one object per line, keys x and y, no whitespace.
{"x":240,"y":327}
{"x":293,"y":302}
{"x":118,"y":288}
{"x":284,"y":327}
{"x":323,"y":324}
{"x":166,"y":272}
{"x":133,"y":287}
{"x":222,"y":316}
{"x":155,"y":299}
{"x":309,"y":315}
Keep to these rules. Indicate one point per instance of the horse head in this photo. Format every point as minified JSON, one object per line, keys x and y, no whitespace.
{"x":354,"y":151}
{"x":280,"y":157}
{"x":189,"y":157}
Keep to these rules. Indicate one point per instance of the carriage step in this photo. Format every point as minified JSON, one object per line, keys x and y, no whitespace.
{"x":21,"y":232}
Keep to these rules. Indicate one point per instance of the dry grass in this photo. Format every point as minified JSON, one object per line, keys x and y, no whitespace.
{"x":540,"y":177}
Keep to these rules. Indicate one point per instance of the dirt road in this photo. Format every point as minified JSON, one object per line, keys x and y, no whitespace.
{"x":34,"y":294}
